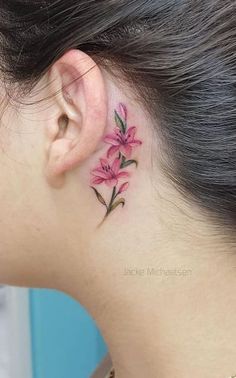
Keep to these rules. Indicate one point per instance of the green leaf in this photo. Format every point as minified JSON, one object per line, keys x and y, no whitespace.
{"x":120,"y":123}
{"x":121,"y":201}
{"x":99,"y":197}
{"x":123,"y":158}
{"x":128,"y":162}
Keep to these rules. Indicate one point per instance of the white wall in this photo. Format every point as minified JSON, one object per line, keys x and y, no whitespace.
{"x":4,"y":346}
{"x":15,"y":348}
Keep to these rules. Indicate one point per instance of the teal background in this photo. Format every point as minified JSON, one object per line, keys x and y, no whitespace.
{"x":65,"y":341}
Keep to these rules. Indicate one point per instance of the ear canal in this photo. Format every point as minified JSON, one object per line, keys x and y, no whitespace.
{"x":63,"y":124}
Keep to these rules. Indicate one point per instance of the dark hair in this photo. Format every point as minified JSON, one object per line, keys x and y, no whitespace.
{"x":178,"y":55}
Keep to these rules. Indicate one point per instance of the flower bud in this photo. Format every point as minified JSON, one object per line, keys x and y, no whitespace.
{"x":123,"y":187}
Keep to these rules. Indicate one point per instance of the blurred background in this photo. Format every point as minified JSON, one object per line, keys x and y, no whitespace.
{"x":46,"y":334}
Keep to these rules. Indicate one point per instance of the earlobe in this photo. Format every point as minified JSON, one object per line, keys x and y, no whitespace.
{"x":82,"y":105}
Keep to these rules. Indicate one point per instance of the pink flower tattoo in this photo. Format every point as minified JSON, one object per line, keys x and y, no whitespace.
{"x":122,"y":142}
{"x":110,"y":171}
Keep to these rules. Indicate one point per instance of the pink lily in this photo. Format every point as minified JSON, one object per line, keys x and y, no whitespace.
{"x":123,"y":111}
{"x":122,"y":142}
{"x":108,"y":173}
{"x":123,"y":188}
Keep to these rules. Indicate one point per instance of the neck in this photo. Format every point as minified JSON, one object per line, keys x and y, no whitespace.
{"x":173,"y":326}
{"x":165,"y":304}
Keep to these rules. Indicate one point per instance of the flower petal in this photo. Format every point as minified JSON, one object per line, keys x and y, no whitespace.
{"x":116,"y":166}
{"x":117,"y":131}
{"x":100,"y":173}
{"x":126,"y":150}
{"x":112,"y":182}
{"x":104,"y":163}
{"x":112,"y":150}
{"x":135,"y":142}
{"x":131,"y":133}
{"x":97,"y":180}
{"x":123,"y":174}
{"x":112,"y":139}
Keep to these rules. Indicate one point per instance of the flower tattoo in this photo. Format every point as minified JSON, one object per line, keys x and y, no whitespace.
{"x":109,"y":174}
{"x":111,"y":168}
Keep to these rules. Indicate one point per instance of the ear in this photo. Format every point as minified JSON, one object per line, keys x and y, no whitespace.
{"x":78,"y":126}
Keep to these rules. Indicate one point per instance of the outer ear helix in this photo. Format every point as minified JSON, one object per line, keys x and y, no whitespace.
{"x":111,"y":170}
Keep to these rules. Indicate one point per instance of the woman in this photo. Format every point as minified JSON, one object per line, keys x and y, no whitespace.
{"x":118,"y":172}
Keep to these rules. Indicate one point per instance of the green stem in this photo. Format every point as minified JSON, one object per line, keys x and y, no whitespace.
{"x":116,"y":196}
{"x":123,"y":160}
{"x":113,"y":196}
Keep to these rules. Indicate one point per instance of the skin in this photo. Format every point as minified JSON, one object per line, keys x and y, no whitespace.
{"x":160,"y":324}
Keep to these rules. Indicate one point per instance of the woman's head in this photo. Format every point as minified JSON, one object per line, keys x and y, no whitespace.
{"x":74,"y":71}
